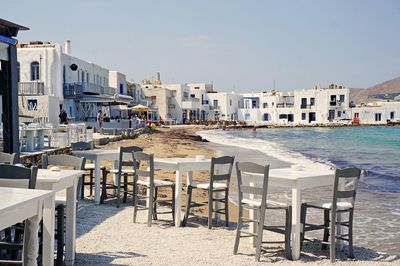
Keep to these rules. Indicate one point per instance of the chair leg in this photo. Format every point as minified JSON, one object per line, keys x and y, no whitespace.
{"x":303,"y":215}
{"x":60,"y":234}
{"x":125,"y":188}
{"x":351,"y":253}
{"x":326,"y":229}
{"x":227,"y":208}
{"x":155,"y":204}
{"x":288,"y":232}
{"x":188,"y":202}
{"x":91,"y":182}
{"x":210,"y":208}
{"x":103,"y":187}
{"x":83,"y":187}
{"x":260,"y":229}
{"x":118,"y":184}
{"x":135,"y":198}
{"x":239,"y":227}
{"x":150,"y":207}
{"x":173,"y":203}
{"x":332,"y":252}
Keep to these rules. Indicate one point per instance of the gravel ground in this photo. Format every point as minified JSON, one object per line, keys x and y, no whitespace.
{"x":106,"y":235}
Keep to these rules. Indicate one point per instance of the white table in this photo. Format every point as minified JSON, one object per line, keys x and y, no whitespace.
{"x":59,"y":181}
{"x":97,"y":156}
{"x":298,"y":180}
{"x":181,"y":165}
{"x":18,"y":204}
{"x":30,"y":135}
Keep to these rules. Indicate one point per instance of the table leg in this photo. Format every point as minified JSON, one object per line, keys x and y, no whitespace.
{"x":40,"y":135}
{"x":70,"y":231}
{"x":178,"y":198}
{"x":97,"y":177}
{"x":48,"y":231}
{"x":31,"y":240}
{"x":296,"y":225}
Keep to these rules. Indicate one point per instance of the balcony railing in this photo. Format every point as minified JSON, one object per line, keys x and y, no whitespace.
{"x":305,"y":106}
{"x":284,"y":105}
{"x":72,"y":90}
{"x":30,"y":88}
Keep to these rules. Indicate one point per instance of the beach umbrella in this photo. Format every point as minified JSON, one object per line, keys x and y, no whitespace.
{"x":139,"y":108}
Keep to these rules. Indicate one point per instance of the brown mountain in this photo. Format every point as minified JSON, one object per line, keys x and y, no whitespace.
{"x":385,"y":90}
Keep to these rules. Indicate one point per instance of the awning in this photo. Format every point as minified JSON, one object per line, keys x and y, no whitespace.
{"x":120,"y":107}
{"x":96,"y":99}
{"x":140,"y":108}
{"x":124,"y":99}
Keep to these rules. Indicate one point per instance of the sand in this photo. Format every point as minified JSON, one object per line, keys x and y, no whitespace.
{"x":107,"y":235}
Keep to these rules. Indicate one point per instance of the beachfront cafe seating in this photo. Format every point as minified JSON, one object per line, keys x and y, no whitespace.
{"x":220,"y":176}
{"x":11,"y":239}
{"x":125,"y":169}
{"x":8,"y":158}
{"x":89,"y":166}
{"x":344,"y":195}
{"x":257,"y":200}
{"x":75,"y":163}
{"x":144,"y":168}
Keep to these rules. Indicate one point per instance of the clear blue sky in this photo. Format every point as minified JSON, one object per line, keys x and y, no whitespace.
{"x":239,"y":45}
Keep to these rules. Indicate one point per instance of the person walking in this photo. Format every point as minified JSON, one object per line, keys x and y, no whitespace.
{"x":100,"y":119}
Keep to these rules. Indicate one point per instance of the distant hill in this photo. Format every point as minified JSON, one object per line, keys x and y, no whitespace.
{"x":386,"y":90}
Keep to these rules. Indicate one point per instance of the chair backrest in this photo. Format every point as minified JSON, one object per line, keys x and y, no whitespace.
{"x":82,"y":145}
{"x":126,"y":156}
{"x":144,"y":170}
{"x":345,"y":191}
{"x":8,"y":158}
{"x":77,"y":163}
{"x":18,"y":176}
{"x":221,"y":169}
{"x":252,"y":168}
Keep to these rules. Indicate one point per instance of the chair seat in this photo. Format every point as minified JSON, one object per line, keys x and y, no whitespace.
{"x":270,"y":203}
{"x":157,"y":183}
{"x":207,"y":185}
{"x":124,"y":171}
{"x":342,"y":205}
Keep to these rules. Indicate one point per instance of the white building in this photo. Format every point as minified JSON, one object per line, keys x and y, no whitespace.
{"x":266,"y":108}
{"x":51,"y":79}
{"x":224,"y":105}
{"x":321,"y":105}
{"x":377,"y":113}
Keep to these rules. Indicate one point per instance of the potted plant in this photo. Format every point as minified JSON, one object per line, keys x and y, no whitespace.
{"x":89,"y":133}
{"x":62,"y":137}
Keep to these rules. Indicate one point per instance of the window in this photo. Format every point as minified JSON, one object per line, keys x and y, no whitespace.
{"x":192,"y":96}
{"x":230,"y":102}
{"x":272,"y":104}
{"x":303,"y":103}
{"x":87,"y":77}
{"x":341,"y":98}
{"x":283,"y":116}
{"x":331,"y":115}
{"x":121,"y":88}
{"x":32,"y":105}
{"x":311,"y":117}
{"x":356,"y":115}
{"x":333,"y":98}
{"x":266,"y":117}
{"x":391,"y":115}
{"x":343,"y":112}
{"x":378,"y":117}
{"x":83,"y":76}
{"x":197,"y":88}
{"x":339,"y":113}
{"x":35,"y":70}
{"x":253,"y":104}
{"x":215,"y":103}
{"x":247,"y":116}
{"x":79,"y":76}
{"x":303,"y":116}
{"x":312,"y":101}
{"x":265,"y":105}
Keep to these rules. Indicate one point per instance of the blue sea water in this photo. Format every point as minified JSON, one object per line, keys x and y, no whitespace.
{"x":373,"y":149}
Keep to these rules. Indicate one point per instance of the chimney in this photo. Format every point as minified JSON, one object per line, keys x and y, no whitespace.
{"x":67,"y":47}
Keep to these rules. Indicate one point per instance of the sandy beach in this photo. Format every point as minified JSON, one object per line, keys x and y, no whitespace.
{"x":106,"y":235}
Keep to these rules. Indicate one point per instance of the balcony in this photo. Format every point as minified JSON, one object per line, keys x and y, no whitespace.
{"x":335,"y":103}
{"x":72,"y":90}
{"x":30,"y":88}
{"x":191,"y":104}
{"x":284,"y":105}
{"x":305,"y":106}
